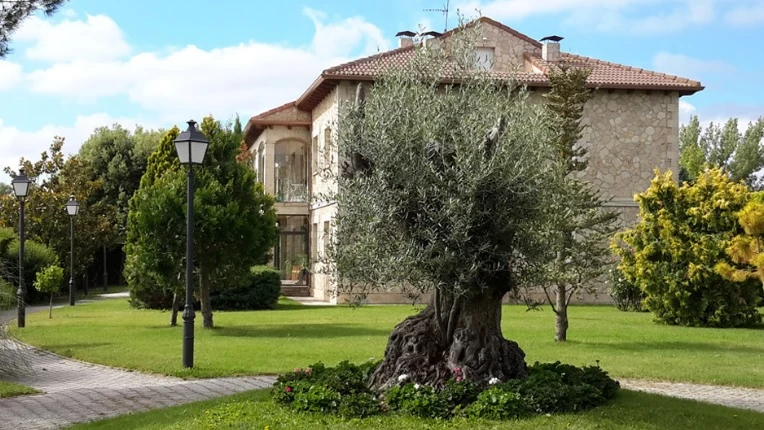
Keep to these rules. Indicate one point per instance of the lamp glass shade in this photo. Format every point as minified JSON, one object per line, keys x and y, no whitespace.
{"x":191,"y":145}
{"x":21,"y":184}
{"x":72,"y":206}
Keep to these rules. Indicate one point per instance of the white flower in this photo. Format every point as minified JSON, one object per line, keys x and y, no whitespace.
{"x":493,"y":381}
{"x":403,"y":377}
{"x":416,"y":386}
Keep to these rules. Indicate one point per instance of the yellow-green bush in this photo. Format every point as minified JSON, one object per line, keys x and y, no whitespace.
{"x":672,"y":252}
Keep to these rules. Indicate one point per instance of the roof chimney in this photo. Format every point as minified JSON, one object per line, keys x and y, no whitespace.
{"x":406,"y":38}
{"x":550,"y":51}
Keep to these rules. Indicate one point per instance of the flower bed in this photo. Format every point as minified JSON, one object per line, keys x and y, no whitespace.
{"x":549,"y":388}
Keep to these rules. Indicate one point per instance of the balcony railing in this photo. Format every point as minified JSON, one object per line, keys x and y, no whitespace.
{"x":291,"y":192}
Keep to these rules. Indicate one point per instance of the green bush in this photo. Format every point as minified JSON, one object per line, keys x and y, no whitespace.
{"x":36,"y":258}
{"x":549,"y":388}
{"x":626,"y":296}
{"x":260,"y":289}
{"x":497,"y":403}
{"x":7,"y":295}
{"x":672,"y":252}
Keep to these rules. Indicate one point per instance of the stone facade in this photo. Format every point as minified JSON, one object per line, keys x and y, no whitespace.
{"x":629,"y":133}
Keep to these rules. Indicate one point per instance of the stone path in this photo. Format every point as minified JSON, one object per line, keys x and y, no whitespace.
{"x":75,"y":391}
{"x":735,"y":397}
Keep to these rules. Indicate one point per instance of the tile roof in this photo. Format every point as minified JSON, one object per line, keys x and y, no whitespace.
{"x":605,"y":75}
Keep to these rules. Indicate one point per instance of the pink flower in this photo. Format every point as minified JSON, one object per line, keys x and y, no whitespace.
{"x":458,"y":379}
{"x":288,"y":389}
{"x":457,"y":370}
{"x":297,"y":370}
{"x":308,"y":370}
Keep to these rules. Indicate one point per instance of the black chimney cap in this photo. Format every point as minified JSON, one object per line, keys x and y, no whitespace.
{"x":405,"y":33}
{"x":552,"y":38}
{"x":432,"y":33}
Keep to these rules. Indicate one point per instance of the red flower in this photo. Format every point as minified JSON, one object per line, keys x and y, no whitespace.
{"x":288,"y":389}
{"x":308,"y":370}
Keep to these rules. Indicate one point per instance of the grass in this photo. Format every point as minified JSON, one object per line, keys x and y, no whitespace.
{"x":628,"y":345}
{"x":9,"y":389}
{"x":629,"y":411}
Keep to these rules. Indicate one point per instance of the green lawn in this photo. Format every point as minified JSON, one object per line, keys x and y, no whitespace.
{"x":9,"y":389}
{"x":255,"y":410}
{"x":265,"y":342}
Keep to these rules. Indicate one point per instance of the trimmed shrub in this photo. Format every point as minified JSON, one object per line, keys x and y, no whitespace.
{"x":672,"y":252}
{"x":626,"y":296}
{"x":342,"y":390}
{"x":260,"y":289}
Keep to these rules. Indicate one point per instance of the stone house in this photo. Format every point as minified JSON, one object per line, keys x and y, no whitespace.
{"x":632,"y":128}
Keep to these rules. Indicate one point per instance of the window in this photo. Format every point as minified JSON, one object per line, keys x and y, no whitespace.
{"x":314,"y":155}
{"x":260,"y":160}
{"x":484,"y":58}
{"x":327,"y":237}
{"x":291,"y":160}
{"x":327,"y":146}
{"x":314,"y":241}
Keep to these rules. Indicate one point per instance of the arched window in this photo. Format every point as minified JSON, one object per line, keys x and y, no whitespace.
{"x":291,"y":171}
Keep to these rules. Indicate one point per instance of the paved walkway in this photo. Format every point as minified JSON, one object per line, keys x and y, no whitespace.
{"x":75,"y":391}
{"x":734,"y":397}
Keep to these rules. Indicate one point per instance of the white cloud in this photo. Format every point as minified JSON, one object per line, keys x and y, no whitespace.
{"x":10,"y":75}
{"x":98,"y":38}
{"x":686,"y":110}
{"x":245,"y":78}
{"x":689,"y":67}
{"x":751,"y":13}
{"x":29,"y":144}
{"x":175,"y":84}
{"x":633,"y":16}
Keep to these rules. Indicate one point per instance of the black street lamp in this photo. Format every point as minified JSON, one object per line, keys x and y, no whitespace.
{"x":191,"y":146}
{"x":72,"y":208}
{"x":21,"y":189}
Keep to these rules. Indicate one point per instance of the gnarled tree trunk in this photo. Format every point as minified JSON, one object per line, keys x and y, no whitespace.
{"x":204,"y":298}
{"x":468,"y":336}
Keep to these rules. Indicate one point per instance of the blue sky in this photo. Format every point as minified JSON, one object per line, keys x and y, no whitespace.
{"x":159,"y":63}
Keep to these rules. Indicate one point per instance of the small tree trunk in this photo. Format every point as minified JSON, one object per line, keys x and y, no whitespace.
{"x":204,"y":297}
{"x":418,"y":349}
{"x":561,"y":315}
{"x":175,"y":307}
{"x":50,"y":310}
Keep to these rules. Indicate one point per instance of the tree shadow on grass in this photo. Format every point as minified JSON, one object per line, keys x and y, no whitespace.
{"x":315,"y":331}
{"x":73,"y":346}
{"x":677,"y":346}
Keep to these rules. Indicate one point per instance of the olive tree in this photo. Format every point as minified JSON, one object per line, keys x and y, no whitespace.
{"x":440,"y":187}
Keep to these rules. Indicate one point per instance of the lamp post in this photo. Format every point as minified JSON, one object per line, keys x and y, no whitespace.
{"x":21,"y":189}
{"x":191,"y":146}
{"x":72,"y":208}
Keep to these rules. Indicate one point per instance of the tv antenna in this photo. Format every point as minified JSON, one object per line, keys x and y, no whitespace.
{"x":444,"y":11}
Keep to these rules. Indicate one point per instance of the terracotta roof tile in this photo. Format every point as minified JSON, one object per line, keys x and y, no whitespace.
{"x":604,"y":74}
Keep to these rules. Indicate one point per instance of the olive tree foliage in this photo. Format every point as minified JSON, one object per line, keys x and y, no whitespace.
{"x":14,"y":12}
{"x":441,"y":189}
